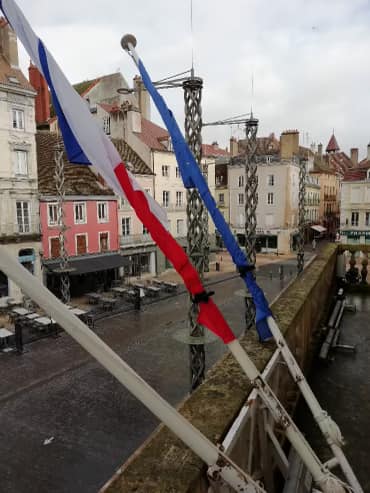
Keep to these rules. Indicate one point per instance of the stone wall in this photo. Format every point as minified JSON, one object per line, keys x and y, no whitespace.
{"x":164,"y":464}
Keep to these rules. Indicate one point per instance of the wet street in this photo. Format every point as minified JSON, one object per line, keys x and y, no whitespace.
{"x":343,"y":389}
{"x":67,"y":425}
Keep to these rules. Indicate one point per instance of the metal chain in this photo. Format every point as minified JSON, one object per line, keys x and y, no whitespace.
{"x":251,"y":200}
{"x":197,"y":225}
{"x":301,"y":215}
{"x":63,"y":254}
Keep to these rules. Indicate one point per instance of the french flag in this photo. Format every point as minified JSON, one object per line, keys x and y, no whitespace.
{"x":86,"y":143}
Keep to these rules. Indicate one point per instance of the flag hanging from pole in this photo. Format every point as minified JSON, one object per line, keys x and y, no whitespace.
{"x":86,"y":143}
{"x":193,"y":178}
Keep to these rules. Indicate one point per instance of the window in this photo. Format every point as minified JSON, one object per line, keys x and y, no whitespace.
{"x":241,"y":181}
{"x":178,"y":199}
{"x":126,"y":226}
{"x":21,"y":162}
{"x":81,"y":244}
{"x":102,"y":212}
{"x":104,"y":242}
{"x":221,"y":198}
{"x":180,"y":227}
{"x":54,"y":247}
{"x":367,"y":218}
{"x":241,"y":198}
{"x":165,"y":171}
{"x":145,"y":230}
{"x":52,"y":214}
{"x":18,"y":119}
{"x":270,"y":198}
{"x":80,"y":213}
{"x":165,"y":198}
{"x":177,"y":172}
{"x":270,"y":180}
{"x":106,"y":125}
{"x":269,"y":220}
{"x":23,"y":217}
{"x":354,"y":218}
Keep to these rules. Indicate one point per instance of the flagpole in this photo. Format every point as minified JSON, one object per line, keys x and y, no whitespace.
{"x":110,"y":360}
{"x":321,"y":474}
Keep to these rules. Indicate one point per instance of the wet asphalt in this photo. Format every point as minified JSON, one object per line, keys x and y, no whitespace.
{"x":67,"y":425}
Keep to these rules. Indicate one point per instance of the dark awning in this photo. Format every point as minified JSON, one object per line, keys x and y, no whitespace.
{"x":91,"y":263}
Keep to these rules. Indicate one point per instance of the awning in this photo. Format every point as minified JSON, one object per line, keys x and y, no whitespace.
{"x":87,"y":264}
{"x":318,"y":228}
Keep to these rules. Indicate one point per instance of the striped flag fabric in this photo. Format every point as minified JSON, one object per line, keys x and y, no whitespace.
{"x":86,"y":143}
{"x":193,"y":178}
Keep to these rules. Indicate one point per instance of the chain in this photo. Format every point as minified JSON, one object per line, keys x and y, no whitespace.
{"x":63,"y":254}
{"x":301,"y":215}
{"x":251,"y":199}
{"x":197,"y":221}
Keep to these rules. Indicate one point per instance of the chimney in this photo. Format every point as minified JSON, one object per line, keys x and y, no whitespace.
{"x":42,"y":103}
{"x":234,"y":148}
{"x":289,"y":144}
{"x":354,"y":156}
{"x":143,"y":97}
{"x":319,"y":150}
{"x":215,"y":145}
{"x":8,"y":43}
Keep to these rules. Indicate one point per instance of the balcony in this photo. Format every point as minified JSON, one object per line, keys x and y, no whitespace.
{"x":330,"y":198}
{"x":136,"y":240}
{"x":311,"y":201}
{"x":175,"y":208}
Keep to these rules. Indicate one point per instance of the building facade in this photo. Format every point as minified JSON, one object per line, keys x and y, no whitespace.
{"x":91,"y":219}
{"x":19,"y":205}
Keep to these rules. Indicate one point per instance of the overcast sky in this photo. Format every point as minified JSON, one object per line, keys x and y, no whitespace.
{"x":309,"y":59}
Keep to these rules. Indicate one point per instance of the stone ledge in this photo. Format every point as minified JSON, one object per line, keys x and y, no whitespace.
{"x":164,"y":464}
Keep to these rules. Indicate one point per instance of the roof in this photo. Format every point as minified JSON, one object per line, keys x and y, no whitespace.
{"x":338,"y":162}
{"x":6,"y":71}
{"x":89,"y":263}
{"x":212,"y":150}
{"x":79,"y":179}
{"x":85,"y":86}
{"x":265,"y":145}
{"x":357,"y":174}
{"x":152,"y":135}
{"x":110,"y":108}
{"x":332,"y":145}
{"x":365,"y":163}
{"x":129,"y":155}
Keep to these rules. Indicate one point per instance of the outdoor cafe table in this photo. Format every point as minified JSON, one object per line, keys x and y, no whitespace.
{"x":153,"y":290}
{"x":108,"y":302}
{"x":170,"y":286}
{"x":138,"y":285}
{"x":119,"y":291}
{"x":93,"y":297}
{"x":44,"y":321}
{"x":77,"y":311}
{"x":32,"y":316}
{"x":21,"y":311}
{"x":4,"y":334}
{"x":157,"y":282}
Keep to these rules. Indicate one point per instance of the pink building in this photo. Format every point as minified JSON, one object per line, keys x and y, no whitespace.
{"x":91,"y":217}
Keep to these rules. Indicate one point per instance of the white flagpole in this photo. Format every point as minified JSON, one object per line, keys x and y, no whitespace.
{"x":320,"y":472}
{"x":180,"y":426}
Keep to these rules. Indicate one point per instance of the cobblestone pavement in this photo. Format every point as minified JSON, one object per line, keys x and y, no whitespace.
{"x":66,"y":424}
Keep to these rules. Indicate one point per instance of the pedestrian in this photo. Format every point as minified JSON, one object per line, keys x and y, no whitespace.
{"x":314,"y":244}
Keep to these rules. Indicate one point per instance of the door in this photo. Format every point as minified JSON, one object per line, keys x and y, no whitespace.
{"x":81,"y":245}
{"x":54,"y":247}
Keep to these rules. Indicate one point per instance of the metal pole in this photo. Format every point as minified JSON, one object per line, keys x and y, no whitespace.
{"x":301,"y":215}
{"x":251,"y":199}
{"x":197,"y":224}
{"x":63,"y":254}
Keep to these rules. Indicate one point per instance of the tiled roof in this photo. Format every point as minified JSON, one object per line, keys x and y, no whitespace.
{"x":7,"y":71}
{"x":79,"y":179}
{"x":129,"y":155}
{"x":210,"y":150}
{"x":85,"y":86}
{"x":338,"y":162}
{"x":332,"y":145}
{"x":355,"y":175}
{"x":365,"y":163}
{"x":152,"y":135}
{"x":110,"y":108}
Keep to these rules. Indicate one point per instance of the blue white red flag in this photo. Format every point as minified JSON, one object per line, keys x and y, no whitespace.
{"x":193,"y":178}
{"x":86,"y":143}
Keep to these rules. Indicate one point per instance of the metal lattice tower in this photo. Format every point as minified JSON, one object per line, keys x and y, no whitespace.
{"x":197,"y":223}
{"x":63,"y":255}
{"x":301,"y":215}
{"x":251,"y":199}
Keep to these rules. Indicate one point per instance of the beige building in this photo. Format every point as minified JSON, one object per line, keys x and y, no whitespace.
{"x":19,"y":205}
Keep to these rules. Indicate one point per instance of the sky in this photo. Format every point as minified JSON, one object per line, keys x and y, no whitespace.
{"x":308,"y":59}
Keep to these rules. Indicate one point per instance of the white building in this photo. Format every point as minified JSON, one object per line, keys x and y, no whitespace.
{"x":355,"y":205}
{"x":278,"y":186}
{"x":19,"y":206}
